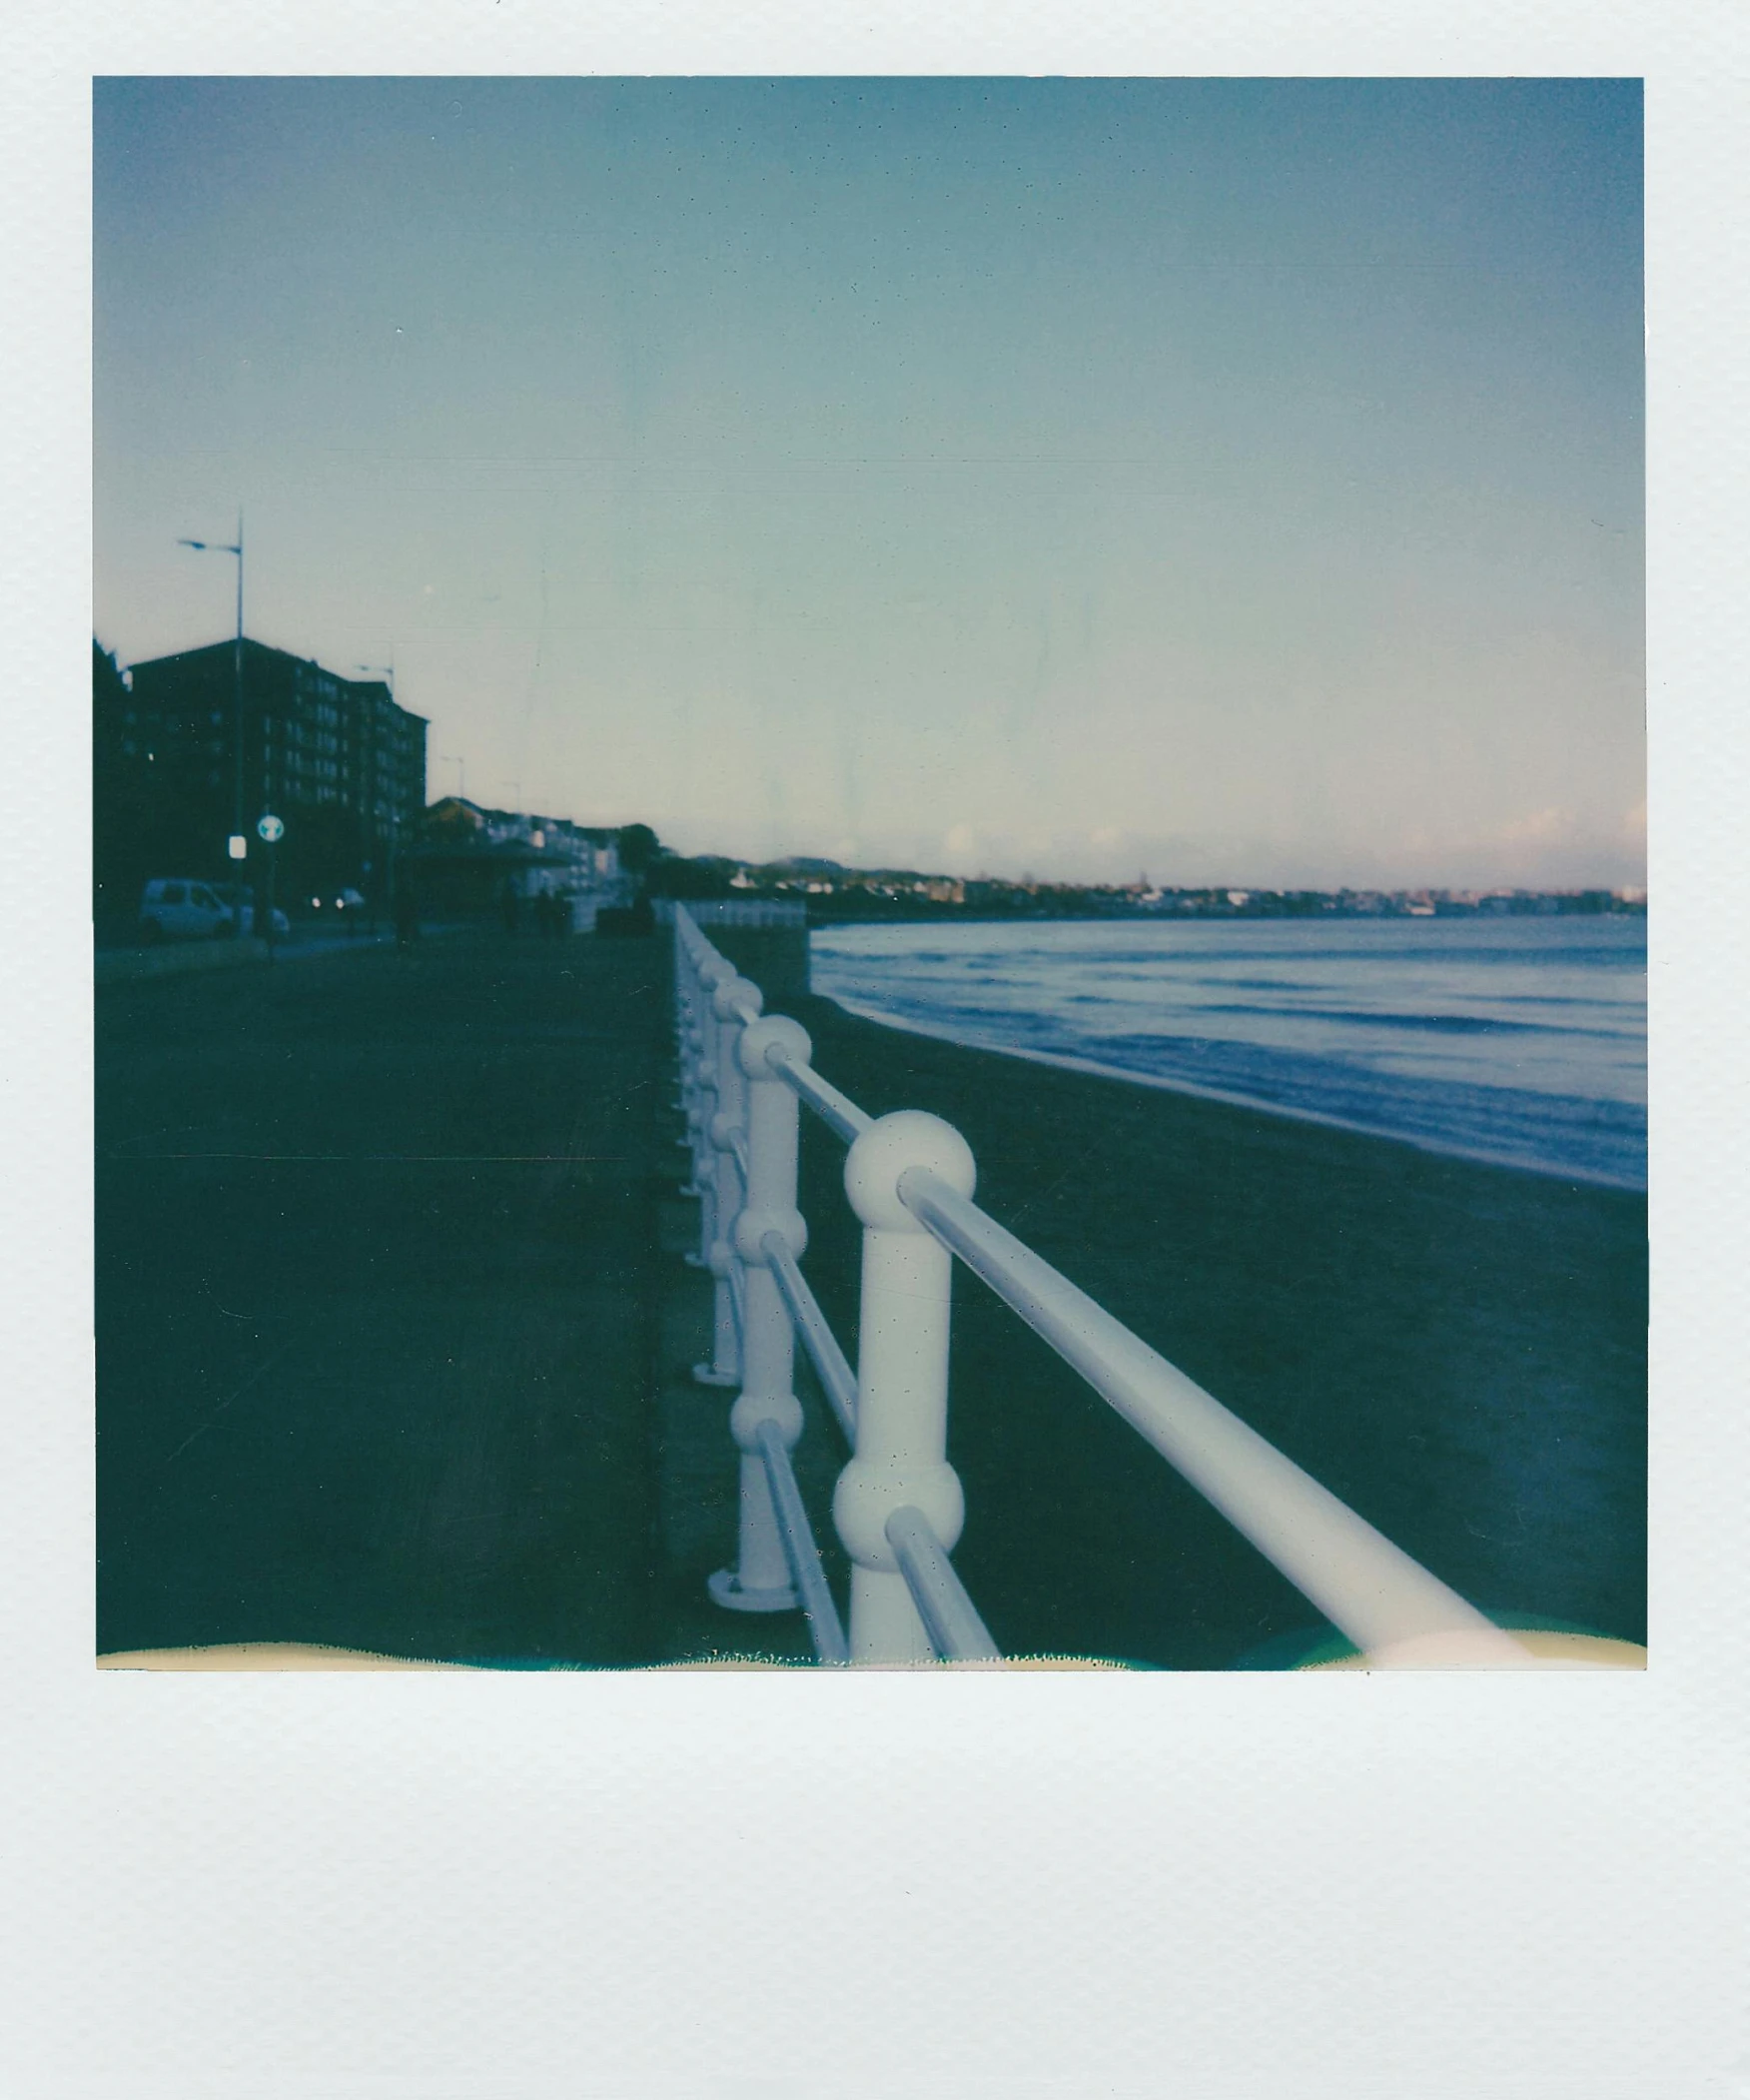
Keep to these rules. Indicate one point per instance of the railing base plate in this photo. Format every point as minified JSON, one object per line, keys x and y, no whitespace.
{"x":725,"y":1588}
{"x":705,"y":1375}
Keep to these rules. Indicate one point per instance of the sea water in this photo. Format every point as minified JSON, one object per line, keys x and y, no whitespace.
{"x":1520,"y":1040}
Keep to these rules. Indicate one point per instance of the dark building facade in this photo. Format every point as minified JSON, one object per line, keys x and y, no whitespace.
{"x":334,"y":758}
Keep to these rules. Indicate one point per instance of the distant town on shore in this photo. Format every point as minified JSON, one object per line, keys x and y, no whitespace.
{"x":833,"y":893}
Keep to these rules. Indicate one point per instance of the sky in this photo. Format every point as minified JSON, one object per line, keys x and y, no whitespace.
{"x":1227,"y":482}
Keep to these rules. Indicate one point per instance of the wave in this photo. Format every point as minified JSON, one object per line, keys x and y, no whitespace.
{"x":1556,"y":1085}
{"x":1602,"y":1143}
{"x":1435,"y":1024}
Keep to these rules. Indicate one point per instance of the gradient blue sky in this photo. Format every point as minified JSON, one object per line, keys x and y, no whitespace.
{"x":1235,"y":480}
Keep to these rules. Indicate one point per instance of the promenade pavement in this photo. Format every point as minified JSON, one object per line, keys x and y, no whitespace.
{"x":381,"y":1307}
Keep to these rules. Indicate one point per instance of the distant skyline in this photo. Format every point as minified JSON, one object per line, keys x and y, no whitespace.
{"x":1240,"y":482}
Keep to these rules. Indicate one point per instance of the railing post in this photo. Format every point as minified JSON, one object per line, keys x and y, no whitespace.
{"x":708,"y":973}
{"x":761,"y":1580}
{"x":698,"y":1105}
{"x":690,"y":1049}
{"x":691,"y":1097}
{"x":721,"y":1367}
{"x":729,"y":996}
{"x":902,"y":1379}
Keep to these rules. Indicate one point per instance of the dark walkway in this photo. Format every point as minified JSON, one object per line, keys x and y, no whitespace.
{"x":375,"y":1302}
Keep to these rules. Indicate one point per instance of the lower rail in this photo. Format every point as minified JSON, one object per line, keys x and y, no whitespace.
{"x":800,"y":1551}
{"x":950,"y":1617}
{"x":837,"y":1380}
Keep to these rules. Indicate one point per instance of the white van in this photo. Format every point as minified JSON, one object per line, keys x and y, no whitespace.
{"x":173,"y":910}
{"x":178,"y":910}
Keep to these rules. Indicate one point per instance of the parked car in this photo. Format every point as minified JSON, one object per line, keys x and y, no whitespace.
{"x":176,"y":908}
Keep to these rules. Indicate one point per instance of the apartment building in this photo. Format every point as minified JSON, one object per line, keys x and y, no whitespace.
{"x":336,"y":758}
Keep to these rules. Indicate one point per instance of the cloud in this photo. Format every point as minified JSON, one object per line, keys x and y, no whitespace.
{"x":1539,"y":828}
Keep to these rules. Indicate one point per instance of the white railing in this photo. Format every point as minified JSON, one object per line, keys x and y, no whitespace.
{"x":898,"y":1507}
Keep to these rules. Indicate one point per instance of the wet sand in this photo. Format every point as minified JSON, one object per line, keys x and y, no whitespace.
{"x":1457,"y":1350}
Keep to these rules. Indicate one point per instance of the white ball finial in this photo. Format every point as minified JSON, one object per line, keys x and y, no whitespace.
{"x":890,"y":1148}
{"x":734,"y":992}
{"x":772,"y":1032}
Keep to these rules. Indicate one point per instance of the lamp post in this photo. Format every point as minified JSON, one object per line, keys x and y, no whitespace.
{"x":461,"y":765}
{"x":238,"y":845}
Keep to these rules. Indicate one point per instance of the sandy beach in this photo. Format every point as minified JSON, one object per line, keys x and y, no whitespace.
{"x":1457,"y":1350}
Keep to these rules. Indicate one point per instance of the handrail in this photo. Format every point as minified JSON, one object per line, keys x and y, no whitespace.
{"x":832,"y":1107}
{"x":950,"y":1618}
{"x":799,"y":1548}
{"x":1368,"y":1588}
{"x":837,"y":1380}
{"x":898,"y":1506}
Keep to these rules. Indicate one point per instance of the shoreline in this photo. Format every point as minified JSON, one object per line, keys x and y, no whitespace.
{"x":1477,"y":1155}
{"x":970,"y":915}
{"x":1457,"y":1349}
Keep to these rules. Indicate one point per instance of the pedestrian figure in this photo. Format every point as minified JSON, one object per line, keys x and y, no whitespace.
{"x":407,"y":915}
{"x":507,"y":905}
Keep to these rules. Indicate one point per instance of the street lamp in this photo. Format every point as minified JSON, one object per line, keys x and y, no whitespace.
{"x":461,"y":765}
{"x":238,"y":846}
